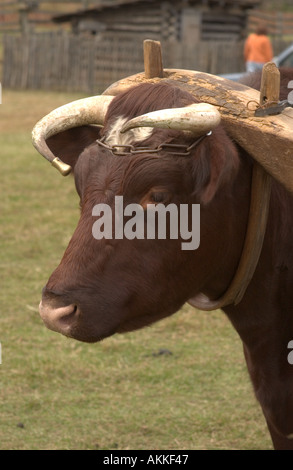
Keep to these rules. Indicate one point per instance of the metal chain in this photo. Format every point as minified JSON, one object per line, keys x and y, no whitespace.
{"x":131,"y":150}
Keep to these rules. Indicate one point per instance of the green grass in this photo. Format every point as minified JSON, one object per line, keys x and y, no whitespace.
{"x":57,"y":393}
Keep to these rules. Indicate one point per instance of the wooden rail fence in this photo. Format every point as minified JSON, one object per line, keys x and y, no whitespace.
{"x":89,"y":64}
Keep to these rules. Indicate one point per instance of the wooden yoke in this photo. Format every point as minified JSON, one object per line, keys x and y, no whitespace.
{"x":269,"y":139}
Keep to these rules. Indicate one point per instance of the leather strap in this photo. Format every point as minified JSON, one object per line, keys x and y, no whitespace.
{"x":256,"y":227}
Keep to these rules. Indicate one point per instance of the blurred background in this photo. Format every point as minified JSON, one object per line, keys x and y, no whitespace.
{"x":84,"y":45}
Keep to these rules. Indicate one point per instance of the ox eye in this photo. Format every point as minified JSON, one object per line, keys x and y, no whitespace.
{"x":158,"y":197}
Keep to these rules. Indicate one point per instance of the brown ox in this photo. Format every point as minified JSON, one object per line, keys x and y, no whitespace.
{"x":108,"y":286}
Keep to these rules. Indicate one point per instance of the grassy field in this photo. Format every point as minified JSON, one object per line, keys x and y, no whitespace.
{"x":57,"y":393}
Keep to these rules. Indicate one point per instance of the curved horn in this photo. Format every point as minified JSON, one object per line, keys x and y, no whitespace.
{"x":196,"y":118}
{"x":90,"y":110}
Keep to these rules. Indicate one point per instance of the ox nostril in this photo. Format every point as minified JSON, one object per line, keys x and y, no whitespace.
{"x":74,"y":309}
{"x":60,"y":319}
{"x":66,"y":314}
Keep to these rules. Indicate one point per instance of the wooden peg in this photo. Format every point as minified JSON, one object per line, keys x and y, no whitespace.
{"x":270,"y":85}
{"x":153,"y":64}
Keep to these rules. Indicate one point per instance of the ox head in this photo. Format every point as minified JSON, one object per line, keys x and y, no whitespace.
{"x":110,"y":284}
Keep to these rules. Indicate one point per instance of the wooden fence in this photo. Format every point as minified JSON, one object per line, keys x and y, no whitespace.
{"x":67,"y":62}
{"x":89,"y":63}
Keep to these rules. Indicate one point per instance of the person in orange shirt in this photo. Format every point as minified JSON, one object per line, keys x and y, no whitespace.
{"x":257,"y":50}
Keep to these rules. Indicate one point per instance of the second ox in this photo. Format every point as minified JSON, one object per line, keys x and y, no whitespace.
{"x":107,"y":286}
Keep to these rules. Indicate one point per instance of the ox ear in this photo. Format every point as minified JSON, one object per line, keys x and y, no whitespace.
{"x":68,"y":145}
{"x":216,"y":163}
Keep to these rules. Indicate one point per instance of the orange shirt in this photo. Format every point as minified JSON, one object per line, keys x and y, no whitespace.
{"x":258,"y":48}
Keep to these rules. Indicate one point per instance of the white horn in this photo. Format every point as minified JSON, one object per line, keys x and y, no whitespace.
{"x":90,"y":110}
{"x":196,"y":118}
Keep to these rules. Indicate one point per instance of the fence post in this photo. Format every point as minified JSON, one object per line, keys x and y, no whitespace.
{"x":23,"y":20}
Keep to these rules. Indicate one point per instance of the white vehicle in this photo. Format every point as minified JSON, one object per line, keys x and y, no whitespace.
{"x":284,"y":59}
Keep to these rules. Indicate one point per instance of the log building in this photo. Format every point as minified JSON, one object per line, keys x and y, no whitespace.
{"x":180,"y":20}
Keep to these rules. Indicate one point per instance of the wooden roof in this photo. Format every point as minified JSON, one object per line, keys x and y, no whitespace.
{"x":116,"y":4}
